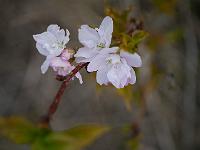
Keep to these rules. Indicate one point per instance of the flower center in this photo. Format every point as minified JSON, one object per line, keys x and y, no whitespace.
{"x":101,"y":45}
{"x":113,"y":59}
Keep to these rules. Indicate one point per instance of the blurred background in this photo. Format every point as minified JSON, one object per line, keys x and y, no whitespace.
{"x":167,"y":109}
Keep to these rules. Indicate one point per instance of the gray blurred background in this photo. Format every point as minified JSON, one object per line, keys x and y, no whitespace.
{"x":171,"y":120}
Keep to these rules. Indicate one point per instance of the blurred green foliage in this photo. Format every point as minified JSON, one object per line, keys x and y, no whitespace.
{"x":128,"y":32}
{"x":22,"y":131}
{"x":130,"y":94}
{"x":166,"y":6}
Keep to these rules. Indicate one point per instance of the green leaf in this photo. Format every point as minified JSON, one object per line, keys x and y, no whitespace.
{"x":73,"y":139}
{"x":130,"y":43}
{"x":138,"y":36}
{"x":17,"y":129}
{"x":22,"y":131}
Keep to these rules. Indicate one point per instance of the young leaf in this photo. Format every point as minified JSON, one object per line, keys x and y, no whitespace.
{"x":17,"y":129}
{"x":73,"y":139}
{"x":130,"y":43}
{"x":139,"y":36}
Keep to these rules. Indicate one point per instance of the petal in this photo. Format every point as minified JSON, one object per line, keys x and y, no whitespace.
{"x":85,"y":52}
{"x":82,"y":59}
{"x":106,"y":26}
{"x":101,"y":76}
{"x":66,"y":55}
{"x":59,"y":33}
{"x":132,"y":80}
{"x":96,"y":63}
{"x":114,"y":58}
{"x":105,"y":30}
{"x":51,"y":42}
{"x":47,"y":41}
{"x":42,"y":50}
{"x":113,"y":77}
{"x":119,"y":74}
{"x":109,"y":50}
{"x":133,"y":60}
{"x":78,"y":75}
{"x":45,"y":38}
{"x":53,"y":28}
{"x":58,"y":62}
{"x":45,"y":66}
{"x":66,"y":39}
{"x":88,"y":36}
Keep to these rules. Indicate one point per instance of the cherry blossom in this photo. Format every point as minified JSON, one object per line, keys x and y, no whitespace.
{"x":115,"y":68}
{"x":111,"y":67}
{"x":95,"y":41}
{"x":51,"y":43}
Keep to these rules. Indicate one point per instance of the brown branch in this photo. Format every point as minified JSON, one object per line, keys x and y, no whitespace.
{"x":54,"y":105}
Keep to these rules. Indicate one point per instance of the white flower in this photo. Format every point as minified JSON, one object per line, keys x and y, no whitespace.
{"x":114,"y":68}
{"x":51,"y":43}
{"x":94,"y":40}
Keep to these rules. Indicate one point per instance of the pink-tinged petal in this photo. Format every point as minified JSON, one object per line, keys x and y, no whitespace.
{"x":60,"y":66}
{"x":101,"y":76}
{"x":106,"y":25}
{"x":88,"y":36}
{"x":48,"y":41}
{"x":42,"y":50}
{"x":47,"y":63}
{"x":132,"y":80}
{"x":126,"y":69}
{"x":66,"y":39}
{"x":133,"y":60}
{"x":58,"y":62}
{"x":85,"y":52}
{"x":119,"y":74}
{"x":53,"y":28}
{"x":45,"y":66}
{"x":96,"y":63}
{"x":61,"y":71}
{"x":78,"y":75}
{"x":105,"y":30}
{"x":83,"y":60}
{"x":113,"y":58}
{"x":66,"y":55}
{"x":45,"y":39}
{"x":109,"y":50}
{"x":61,"y":37}
{"x":113,"y":77}
{"x":59,"y":33}
{"x":51,"y":42}
{"x":80,"y":59}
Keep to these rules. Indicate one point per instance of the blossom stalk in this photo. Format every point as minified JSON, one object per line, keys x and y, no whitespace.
{"x":54,"y":105}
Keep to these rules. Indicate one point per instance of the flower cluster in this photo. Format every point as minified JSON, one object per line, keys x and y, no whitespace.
{"x":52,"y":44}
{"x":112,"y":64}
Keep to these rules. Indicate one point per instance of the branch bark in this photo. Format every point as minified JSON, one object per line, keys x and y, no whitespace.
{"x":54,"y":105}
